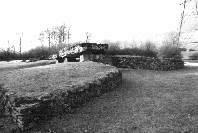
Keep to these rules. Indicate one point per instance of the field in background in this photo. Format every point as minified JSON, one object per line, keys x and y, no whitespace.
{"x":19,"y":64}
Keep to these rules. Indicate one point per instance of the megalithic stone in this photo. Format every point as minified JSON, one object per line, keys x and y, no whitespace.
{"x":86,"y":51}
{"x":189,"y":30}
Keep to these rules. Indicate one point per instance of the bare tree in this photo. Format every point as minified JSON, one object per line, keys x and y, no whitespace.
{"x":88,"y":35}
{"x":68,"y":34}
{"x":41,"y":38}
{"x":63,"y":32}
{"x":184,"y":6}
{"x":13,"y":49}
{"x":181,"y":20}
{"x":20,"y":42}
{"x":49,"y":34}
{"x":57,"y":36}
{"x":54,"y":36}
{"x":60,"y":31}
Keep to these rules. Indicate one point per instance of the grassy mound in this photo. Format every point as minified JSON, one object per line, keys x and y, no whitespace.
{"x":37,"y":93}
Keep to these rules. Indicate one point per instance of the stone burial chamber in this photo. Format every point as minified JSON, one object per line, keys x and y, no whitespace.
{"x":32,"y":95}
{"x":82,"y":52}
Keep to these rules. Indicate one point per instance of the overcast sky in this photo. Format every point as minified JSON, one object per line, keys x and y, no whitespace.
{"x":124,"y":20}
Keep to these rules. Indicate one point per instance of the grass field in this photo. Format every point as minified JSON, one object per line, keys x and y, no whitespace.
{"x":18,"y":64}
{"x":29,"y":84}
{"x":146,"y":102}
{"x":35,"y":81}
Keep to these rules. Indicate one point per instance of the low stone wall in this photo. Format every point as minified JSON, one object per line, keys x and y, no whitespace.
{"x":29,"y":111}
{"x":141,"y":62}
{"x":3,"y":101}
{"x":83,"y":48}
{"x":171,"y":64}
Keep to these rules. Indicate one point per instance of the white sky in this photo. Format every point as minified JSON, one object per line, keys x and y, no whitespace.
{"x":123,"y":20}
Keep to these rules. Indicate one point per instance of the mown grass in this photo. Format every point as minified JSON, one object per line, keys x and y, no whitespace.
{"x":35,"y":81}
{"x":147,"y":102}
{"x":18,"y":64}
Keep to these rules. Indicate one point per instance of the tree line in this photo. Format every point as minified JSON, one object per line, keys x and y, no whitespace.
{"x":56,"y":36}
{"x":52,"y":40}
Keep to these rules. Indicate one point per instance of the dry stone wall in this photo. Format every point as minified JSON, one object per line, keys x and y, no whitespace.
{"x":171,"y":64}
{"x":27,"y":112}
{"x":2,"y":101}
{"x":151,"y":63}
